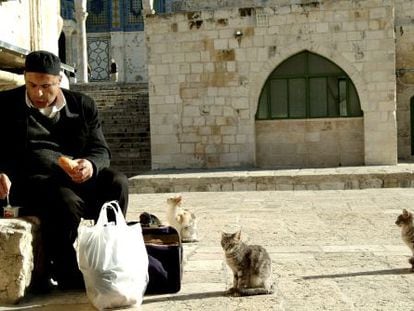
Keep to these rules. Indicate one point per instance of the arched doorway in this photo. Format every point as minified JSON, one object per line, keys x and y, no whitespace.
{"x":309,"y":115}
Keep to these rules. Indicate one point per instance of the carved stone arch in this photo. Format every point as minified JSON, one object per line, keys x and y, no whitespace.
{"x":335,"y":56}
{"x":339,"y":155}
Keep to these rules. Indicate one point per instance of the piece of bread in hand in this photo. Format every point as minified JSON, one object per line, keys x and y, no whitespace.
{"x":67,"y":164}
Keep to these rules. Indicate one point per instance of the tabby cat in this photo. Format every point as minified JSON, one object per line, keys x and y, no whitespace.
{"x":251,"y":266}
{"x":405,"y":221}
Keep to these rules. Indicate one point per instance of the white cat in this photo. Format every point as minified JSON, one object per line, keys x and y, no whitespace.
{"x":182,"y":220}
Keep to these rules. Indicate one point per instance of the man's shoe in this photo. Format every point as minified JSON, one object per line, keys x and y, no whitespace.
{"x":71,"y":284}
{"x":42,"y":287}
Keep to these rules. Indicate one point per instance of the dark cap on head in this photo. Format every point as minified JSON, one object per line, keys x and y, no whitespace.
{"x":42,"y":62}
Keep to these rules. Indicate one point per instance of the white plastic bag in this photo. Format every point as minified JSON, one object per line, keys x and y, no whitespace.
{"x":113,"y":260}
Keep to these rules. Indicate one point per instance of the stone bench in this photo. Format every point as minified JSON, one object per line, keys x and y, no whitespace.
{"x":20,"y":257}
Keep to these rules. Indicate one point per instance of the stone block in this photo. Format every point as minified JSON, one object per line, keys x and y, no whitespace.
{"x":17,"y":239}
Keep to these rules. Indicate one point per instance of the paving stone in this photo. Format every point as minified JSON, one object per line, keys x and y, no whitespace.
{"x":330,"y":250}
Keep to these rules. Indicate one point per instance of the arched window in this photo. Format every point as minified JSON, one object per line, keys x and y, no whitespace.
{"x":307,"y":85}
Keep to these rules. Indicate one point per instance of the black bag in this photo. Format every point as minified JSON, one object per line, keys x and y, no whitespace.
{"x":165,"y":254}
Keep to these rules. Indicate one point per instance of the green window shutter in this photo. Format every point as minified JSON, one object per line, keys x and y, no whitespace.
{"x":307,"y":85}
{"x":297,"y":98}
{"x":318,"y":97}
{"x":279,"y":94}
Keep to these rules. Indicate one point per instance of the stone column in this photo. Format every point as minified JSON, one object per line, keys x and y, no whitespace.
{"x":148,"y":7}
{"x":69,"y":29}
{"x":44,"y":34}
{"x":82,"y":62}
{"x":35,"y":23}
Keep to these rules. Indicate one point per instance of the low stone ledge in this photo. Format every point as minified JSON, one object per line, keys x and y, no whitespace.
{"x":18,"y":238}
{"x":344,"y":178}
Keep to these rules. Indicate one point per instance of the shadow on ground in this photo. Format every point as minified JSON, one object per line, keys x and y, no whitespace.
{"x":398,"y":271}
{"x":183,"y":297}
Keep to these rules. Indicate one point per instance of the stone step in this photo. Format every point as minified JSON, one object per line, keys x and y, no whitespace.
{"x":341,"y":178}
{"x":124,"y":111}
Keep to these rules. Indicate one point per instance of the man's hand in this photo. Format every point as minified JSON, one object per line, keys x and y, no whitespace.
{"x":82,"y":172}
{"x":5,"y":185}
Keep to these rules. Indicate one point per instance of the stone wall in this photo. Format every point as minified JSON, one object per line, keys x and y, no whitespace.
{"x":14,"y":13}
{"x":125,"y":123}
{"x":25,"y":25}
{"x":310,"y":143}
{"x":130,"y":53}
{"x":191,"y":5}
{"x":204,"y":83}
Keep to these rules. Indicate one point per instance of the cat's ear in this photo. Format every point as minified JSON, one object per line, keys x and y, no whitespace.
{"x":237,"y":235}
{"x":405,"y":213}
{"x":178,"y":199}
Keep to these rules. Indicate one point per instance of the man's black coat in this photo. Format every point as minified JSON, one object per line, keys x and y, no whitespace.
{"x":82,"y":136}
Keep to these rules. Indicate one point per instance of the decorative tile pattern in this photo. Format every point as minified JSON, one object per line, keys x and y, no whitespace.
{"x":67,"y":9}
{"x":98,"y":55}
{"x":98,"y":16}
{"x":116,"y":17}
{"x":132,"y":16}
{"x":163,"y":6}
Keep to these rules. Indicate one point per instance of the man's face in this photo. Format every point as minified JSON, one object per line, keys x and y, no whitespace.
{"x":42,"y":88}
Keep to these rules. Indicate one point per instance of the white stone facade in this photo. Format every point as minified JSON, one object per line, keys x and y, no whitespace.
{"x":31,"y":25}
{"x":28,"y":25}
{"x":204,"y":82}
{"x":128,"y":49}
{"x":12,"y":13}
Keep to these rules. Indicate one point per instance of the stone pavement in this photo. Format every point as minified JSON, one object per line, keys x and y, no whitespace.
{"x":331,"y":250}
